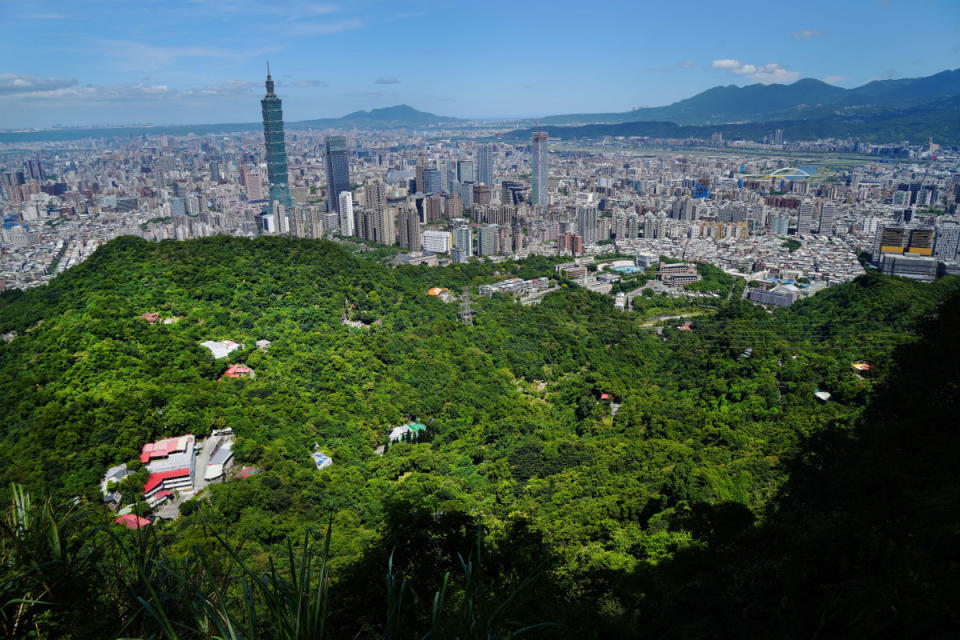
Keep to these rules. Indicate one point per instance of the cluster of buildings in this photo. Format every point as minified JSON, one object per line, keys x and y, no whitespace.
{"x":467,"y":192}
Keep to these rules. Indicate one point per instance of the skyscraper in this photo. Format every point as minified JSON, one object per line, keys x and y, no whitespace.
{"x":540,"y":170}
{"x":276,"y":147}
{"x":338,"y":170}
{"x":431,"y":181}
{"x":485,"y":164}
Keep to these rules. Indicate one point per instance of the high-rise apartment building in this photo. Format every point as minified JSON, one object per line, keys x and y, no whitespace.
{"x":408,"y":235}
{"x":587,"y":224}
{"x":541,"y":171}
{"x":463,"y":240}
{"x":487,"y":239}
{"x":272,"y":110}
{"x":346,"y":213}
{"x":338,"y":170}
{"x":485,"y":164}
{"x":827,"y":212}
{"x":805,"y":218}
{"x":375,"y":195}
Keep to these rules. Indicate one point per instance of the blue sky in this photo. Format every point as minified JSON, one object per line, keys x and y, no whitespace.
{"x":198,"y":61}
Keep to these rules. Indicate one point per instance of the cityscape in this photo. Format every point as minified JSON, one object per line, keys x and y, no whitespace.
{"x":534,"y":320}
{"x":452,"y":195}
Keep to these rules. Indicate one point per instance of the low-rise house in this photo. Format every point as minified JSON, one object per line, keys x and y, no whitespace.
{"x":222,"y":348}
{"x":238,"y":371}
{"x":151,"y":317}
{"x":322,"y":460}
{"x":413,"y":428}
{"x":132,"y":521}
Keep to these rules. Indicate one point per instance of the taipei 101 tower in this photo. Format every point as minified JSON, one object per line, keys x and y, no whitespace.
{"x":276,"y":148}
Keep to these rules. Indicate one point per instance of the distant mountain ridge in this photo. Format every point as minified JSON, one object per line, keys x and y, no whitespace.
{"x":395,"y":117}
{"x":401,"y":115}
{"x":804,"y":99}
{"x":937,"y":118}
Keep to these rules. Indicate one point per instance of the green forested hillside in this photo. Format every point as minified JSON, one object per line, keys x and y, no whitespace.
{"x":603,"y":511}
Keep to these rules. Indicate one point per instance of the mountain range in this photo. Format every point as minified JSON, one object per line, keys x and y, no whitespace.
{"x":806,"y":99}
{"x":879,"y":111}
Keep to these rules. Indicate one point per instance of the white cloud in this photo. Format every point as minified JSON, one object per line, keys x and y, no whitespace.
{"x":390,"y":80}
{"x":768,"y":73}
{"x":310,"y":83}
{"x":13,"y":84}
{"x":806,"y":34}
{"x":835,"y":79}
{"x":687,"y":64}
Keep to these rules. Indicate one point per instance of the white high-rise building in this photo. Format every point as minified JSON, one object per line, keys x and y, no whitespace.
{"x":346,"y":213}
{"x":805,"y":218}
{"x":827,"y":212}
{"x":541,"y":171}
{"x":587,"y":224}
{"x":280,"y":217}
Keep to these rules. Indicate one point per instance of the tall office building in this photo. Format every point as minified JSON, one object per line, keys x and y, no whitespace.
{"x":276,"y":147}
{"x":465,"y":172}
{"x":432,"y":182}
{"x":587,"y":224}
{"x":338,"y":170}
{"x":409,"y":231}
{"x":346,"y":213}
{"x":827,"y":211}
{"x":485,"y":164}
{"x":541,"y":170}
{"x":375,"y":195}
{"x":805,"y":218}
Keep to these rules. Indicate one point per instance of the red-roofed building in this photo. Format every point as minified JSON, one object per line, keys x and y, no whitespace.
{"x":132,"y":521}
{"x":151,"y":317}
{"x":163,"y":448}
{"x":238,"y":371}
{"x":604,"y":396}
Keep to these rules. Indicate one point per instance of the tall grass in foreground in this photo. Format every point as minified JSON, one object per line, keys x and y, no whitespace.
{"x":62,"y":574}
